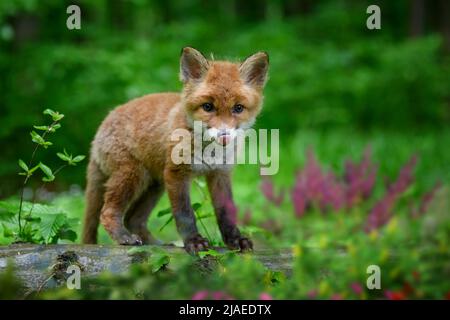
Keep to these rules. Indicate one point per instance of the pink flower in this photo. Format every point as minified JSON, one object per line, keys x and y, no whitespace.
{"x":200,"y":295}
{"x":336,"y":296}
{"x":265,"y":296}
{"x":268,"y":191}
{"x":359,"y":178}
{"x":382,"y":210}
{"x":220,"y":295}
{"x":357,"y":288}
{"x":312,"y":294}
{"x":426,"y":200}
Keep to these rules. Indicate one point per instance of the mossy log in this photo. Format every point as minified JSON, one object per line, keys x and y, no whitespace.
{"x":35,"y":265}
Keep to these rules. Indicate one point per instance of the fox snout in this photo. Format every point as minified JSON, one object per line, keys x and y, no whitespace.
{"x":222,"y":136}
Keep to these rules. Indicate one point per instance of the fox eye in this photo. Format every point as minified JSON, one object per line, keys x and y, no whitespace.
{"x":238,"y":108}
{"x":208,"y":107}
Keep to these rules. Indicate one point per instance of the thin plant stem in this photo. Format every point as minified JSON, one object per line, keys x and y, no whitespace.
{"x":27,"y":177}
{"x":205,"y":198}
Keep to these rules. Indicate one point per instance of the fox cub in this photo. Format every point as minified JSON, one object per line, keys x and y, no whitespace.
{"x":130,"y":162}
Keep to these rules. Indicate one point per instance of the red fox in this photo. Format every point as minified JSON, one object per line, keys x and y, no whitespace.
{"x":130,"y":162}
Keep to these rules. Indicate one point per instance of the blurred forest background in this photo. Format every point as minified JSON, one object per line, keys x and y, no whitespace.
{"x":331,"y":77}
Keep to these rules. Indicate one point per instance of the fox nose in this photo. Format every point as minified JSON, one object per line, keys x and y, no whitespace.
{"x":224,"y":136}
{"x":223,"y":132}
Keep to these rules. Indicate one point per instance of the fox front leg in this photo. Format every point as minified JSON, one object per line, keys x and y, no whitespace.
{"x":219,"y":186}
{"x":177,"y":185}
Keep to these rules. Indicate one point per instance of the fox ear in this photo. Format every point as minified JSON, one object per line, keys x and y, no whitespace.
{"x":193,"y":64}
{"x":254,"y":69}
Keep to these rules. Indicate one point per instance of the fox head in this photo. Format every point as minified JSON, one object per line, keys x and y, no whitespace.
{"x":224,"y":96}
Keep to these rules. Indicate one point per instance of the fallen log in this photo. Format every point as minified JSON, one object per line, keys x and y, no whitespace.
{"x":36,"y":265}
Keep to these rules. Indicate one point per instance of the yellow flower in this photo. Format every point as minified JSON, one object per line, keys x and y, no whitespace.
{"x":392,"y":225}
{"x":324,"y":288}
{"x":384,"y":255}
{"x":373,"y":235}
{"x":297,"y":250}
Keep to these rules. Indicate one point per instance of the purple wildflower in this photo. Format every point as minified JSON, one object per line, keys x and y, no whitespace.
{"x":360,"y":179}
{"x":200,"y":295}
{"x":268,"y":191}
{"x":314,"y":187}
{"x":265,"y":296}
{"x":356,"y":288}
{"x":426,"y":200}
{"x":382,"y":210}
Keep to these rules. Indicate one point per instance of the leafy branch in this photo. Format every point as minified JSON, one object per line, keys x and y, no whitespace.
{"x":28,"y":169}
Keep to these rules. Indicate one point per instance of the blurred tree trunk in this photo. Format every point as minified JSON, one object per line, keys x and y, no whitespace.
{"x":296,"y":7}
{"x":416,"y":18}
{"x":120,"y":14}
{"x":444,"y":11}
{"x":26,"y":27}
{"x":251,"y":10}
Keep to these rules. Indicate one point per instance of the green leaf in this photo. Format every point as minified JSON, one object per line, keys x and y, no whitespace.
{"x":39,"y":209}
{"x":49,"y":112}
{"x":79,"y":158}
{"x":159,"y":261}
{"x":47,"y":171}
{"x":8,"y":210}
{"x":63,"y":157}
{"x":274,"y":277}
{"x":7,"y":232}
{"x":209,"y":252}
{"x":47,"y":144}
{"x":164,"y":212}
{"x":43,"y":128}
{"x":56,"y":116}
{"x":167,"y":223}
{"x":54,"y":127}
{"x":36,"y":138}
{"x":50,"y":225}
{"x":23,"y":165}
{"x":196,"y":206}
{"x":9,"y":206}
{"x":67,"y":234}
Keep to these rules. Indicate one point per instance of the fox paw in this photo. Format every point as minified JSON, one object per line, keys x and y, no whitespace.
{"x":195,"y":244}
{"x":130,"y":240}
{"x":240,"y":243}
